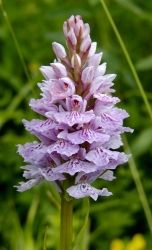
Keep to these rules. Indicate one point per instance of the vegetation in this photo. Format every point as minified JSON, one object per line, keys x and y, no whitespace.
{"x":30,"y":220}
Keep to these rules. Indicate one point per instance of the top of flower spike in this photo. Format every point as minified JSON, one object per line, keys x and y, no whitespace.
{"x":82,"y":127}
{"x":77,"y":34}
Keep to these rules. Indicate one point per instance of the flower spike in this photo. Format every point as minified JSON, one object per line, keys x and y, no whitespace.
{"x":81,"y":129}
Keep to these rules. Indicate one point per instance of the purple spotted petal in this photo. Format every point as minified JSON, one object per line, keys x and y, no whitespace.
{"x":23,"y":186}
{"x":85,"y":190}
{"x":49,"y":175}
{"x":32,"y":152}
{"x":101,"y":157}
{"x":76,"y":103}
{"x":88,"y":178}
{"x":74,"y":117}
{"x":91,"y":177}
{"x":31,"y":172}
{"x":56,"y":89}
{"x":63,"y":147}
{"x":42,"y":129}
{"x":88,"y":135}
{"x":42,"y":106}
{"x":106,"y":100}
{"x":101,"y":80}
{"x":113,"y":163}
{"x":75,"y":166}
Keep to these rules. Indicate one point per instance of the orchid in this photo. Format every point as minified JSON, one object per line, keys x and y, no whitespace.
{"x":81,"y":129}
{"x":80,"y":132}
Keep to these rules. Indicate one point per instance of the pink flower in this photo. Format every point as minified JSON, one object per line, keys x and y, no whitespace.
{"x":81,"y":130}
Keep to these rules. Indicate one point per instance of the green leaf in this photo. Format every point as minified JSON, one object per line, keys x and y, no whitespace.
{"x":142,"y":143}
{"x":45,"y":239}
{"x":144,"y":64}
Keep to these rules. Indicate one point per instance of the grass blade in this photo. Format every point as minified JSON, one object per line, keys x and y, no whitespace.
{"x":132,"y":7}
{"x":139,"y":186}
{"x":5,"y":15}
{"x":128,"y":58}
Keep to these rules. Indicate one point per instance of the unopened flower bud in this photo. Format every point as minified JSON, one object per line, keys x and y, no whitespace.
{"x":72,"y":38}
{"x":76,"y":61}
{"x":85,"y":44}
{"x":86,"y":30}
{"x":71,"y":21}
{"x":78,"y":27}
{"x":59,"y":50}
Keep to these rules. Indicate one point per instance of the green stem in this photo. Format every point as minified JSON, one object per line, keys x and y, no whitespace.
{"x":66,"y":223}
{"x":139,"y":185}
{"x":128,"y":58}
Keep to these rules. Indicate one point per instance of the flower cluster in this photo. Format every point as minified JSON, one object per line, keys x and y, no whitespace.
{"x":81,"y":130}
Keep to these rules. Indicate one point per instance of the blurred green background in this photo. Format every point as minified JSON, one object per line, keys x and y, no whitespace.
{"x":30,"y":220}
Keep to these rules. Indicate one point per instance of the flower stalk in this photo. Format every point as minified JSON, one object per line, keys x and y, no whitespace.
{"x":66,"y":223}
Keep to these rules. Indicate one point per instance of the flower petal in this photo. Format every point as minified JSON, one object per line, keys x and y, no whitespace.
{"x":94,"y":60}
{"x":88,"y":75}
{"x":57,"y":89}
{"x":48,"y":72}
{"x":50,"y":175}
{"x":23,"y":186}
{"x":92,"y":49}
{"x":42,"y":129}
{"x":59,"y":69}
{"x":88,"y":135}
{"x":32,"y":152}
{"x":101,"y":157}
{"x":84,"y":190}
{"x":108,"y":176}
{"x":101,"y":80}
{"x":114,"y":142}
{"x":101,"y":69}
{"x":31,"y":172}
{"x":74,"y":117}
{"x":106,"y":100}
{"x":42,"y":106}
{"x":75,"y":166}
{"x":63,"y":147}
